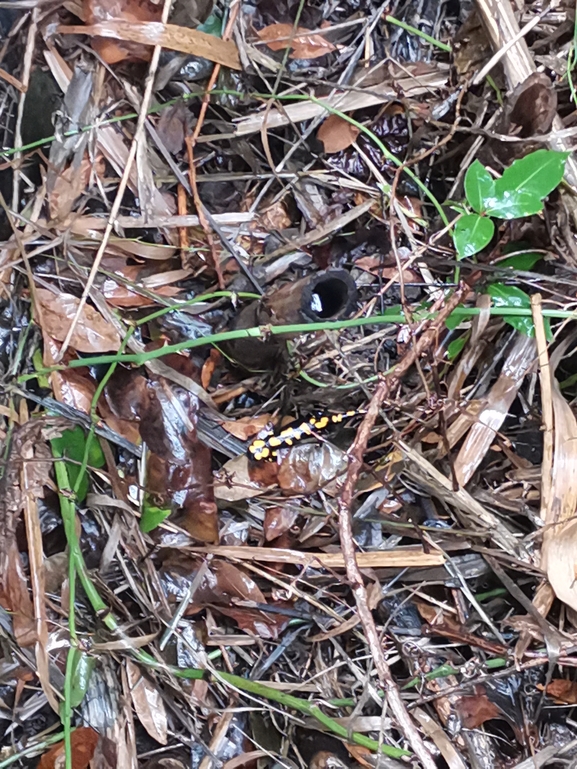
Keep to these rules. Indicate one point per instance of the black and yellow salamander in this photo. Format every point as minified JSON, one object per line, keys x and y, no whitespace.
{"x":266,"y":445}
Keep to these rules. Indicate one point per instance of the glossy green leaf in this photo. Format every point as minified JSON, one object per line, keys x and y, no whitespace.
{"x":72,"y":445}
{"x":471,"y":234}
{"x":511,"y":296}
{"x":514,"y":205}
{"x":479,"y":186}
{"x":152,"y":515}
{"x":523,"y":186}
{"x":455,"y":347}
{"x":521,"y":262}
{"x":456,"y":318}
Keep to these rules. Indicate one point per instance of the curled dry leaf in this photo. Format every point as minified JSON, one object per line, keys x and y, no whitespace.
{"x":559,"y":552}
{"x":336,"y":134}
{"x":148,"y":703}
{"x":92,"y":334}
{"x":305,"y":44}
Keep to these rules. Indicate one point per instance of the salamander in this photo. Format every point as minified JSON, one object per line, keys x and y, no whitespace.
{"x":266,"y":445}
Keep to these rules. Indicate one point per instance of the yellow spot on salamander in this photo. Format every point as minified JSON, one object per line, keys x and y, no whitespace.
{"x":321,"y":423}
{"x":274,"y":441}
{"x":287,"y":442}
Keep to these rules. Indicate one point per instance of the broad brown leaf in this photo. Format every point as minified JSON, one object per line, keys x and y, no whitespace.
{"x":305,"y":44}
{"x":337,"y":134}
{"x":84,"y":741}
{"x":92,"y":334}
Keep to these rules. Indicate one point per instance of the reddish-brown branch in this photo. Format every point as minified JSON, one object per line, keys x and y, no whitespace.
{"x":387,"y":385}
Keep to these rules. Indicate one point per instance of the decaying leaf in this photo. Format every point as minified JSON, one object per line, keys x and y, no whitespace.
{"x":84,"y":741}
{"x":305,"y":44}
{"x":520,"y":360}
{"x":92,"y":333}
{"x":562,"y":691}
{"x":102,"y":11}
{"x":337,"y":134}
{"x":148,"y":703}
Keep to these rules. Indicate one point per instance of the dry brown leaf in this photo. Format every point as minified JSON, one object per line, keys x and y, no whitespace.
{"x":92,"y":333}
{"x":148,"y":704}
{"x":84,"y":741}
{"x":170,"y":36}
{"x":68,"y":187}
{"x":305,"y":44}
{"x":562,"y":691}
{"x":16,"y":600}
{"x":246,"y":427}
{"x":482,"y":434}
{"x":559,"y":551}
{"x":95,"y":11}
{"x":337,"y":134}
{"x":234,"y":481}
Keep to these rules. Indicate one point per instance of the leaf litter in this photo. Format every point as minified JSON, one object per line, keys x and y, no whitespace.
{"x":334,"y":232}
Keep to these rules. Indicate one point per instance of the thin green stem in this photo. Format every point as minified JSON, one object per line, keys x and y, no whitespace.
{"x":109,"y":620}
{"x":263,"y":332}
{"x":32,"y":750}
{"x":418,"y":33}
{"x":69,"y":521}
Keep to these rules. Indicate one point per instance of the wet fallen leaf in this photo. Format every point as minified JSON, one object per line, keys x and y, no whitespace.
{"x":337,"y":134}
{"x":239,"y":479}
{"x":278,"y":520}
{"x":307,"y":468}
{"x":83,"y":742}
{"x":92,"y":333}
{"x":148,"y":703}
{"x":305,"y":44}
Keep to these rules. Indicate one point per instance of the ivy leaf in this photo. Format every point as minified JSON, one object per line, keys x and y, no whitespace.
{"x":454,"y":348}
{"x":511,"y":296}
{"x":152,"y":515}
{"x":514,"y":205}
{"x":479,"y":186}
{"x":456,"y":318}
{"x":72,"y":445}
{"x":524,"y":185}
{"x":521,"y":262}
{"x":471,"y":234}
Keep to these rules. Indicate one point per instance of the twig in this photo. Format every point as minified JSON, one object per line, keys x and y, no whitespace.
{"x":191,"y":142}
{"x":122,"y":186}
{"x":388,"y":383}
